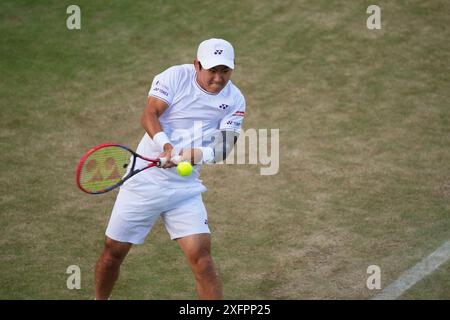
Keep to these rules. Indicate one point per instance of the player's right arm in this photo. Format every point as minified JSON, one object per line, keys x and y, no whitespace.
{"x":150,"y":122}
{"x":153,"y":110}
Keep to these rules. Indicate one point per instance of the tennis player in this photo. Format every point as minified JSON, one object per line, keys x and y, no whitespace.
{"x":194,"y":113}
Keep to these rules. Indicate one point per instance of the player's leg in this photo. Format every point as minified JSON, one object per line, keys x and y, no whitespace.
{"x":135,"y":211}
{"x":108,"y":267}
{"x":197,"y":249}
{"x":187,"y":222}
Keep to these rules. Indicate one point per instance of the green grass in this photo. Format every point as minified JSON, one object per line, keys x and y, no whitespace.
{"x":364,"y":144}
{"x":432,"y":287}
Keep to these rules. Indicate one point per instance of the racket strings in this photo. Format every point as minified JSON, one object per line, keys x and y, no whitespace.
{"x":104,"y":168}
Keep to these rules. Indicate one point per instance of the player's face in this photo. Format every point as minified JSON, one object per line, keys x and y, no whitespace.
{"x":213,"y":80}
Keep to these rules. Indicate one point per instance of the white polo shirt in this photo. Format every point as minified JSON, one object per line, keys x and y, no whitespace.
{"x":192,"y":118}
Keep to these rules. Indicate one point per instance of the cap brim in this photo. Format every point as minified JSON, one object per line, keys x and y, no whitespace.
{"x":208,"y":64}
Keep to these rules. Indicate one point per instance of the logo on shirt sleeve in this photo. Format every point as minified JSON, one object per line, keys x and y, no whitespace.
{"x":160,"y":84}
{"x":161,"y":88}
{"x":235,"y":124}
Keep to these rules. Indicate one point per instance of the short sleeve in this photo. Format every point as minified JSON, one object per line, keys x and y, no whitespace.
{"x":164,"y":85}
{"x":234,"y":119}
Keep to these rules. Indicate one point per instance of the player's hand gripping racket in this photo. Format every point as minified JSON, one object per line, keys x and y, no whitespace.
{"x":107,"y":166}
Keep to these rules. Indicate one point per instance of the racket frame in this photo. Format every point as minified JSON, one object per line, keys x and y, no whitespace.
{"x":132,"y":172}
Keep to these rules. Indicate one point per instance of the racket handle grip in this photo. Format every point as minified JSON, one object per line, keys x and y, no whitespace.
{"x":176,"y":160}
{"x":162,"y":161}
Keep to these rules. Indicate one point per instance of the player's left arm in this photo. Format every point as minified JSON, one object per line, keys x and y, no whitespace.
{"x":218,"y":150}
{"x":230,"y":127}
{"x":222,"y":145}
{"x":223,"y":141}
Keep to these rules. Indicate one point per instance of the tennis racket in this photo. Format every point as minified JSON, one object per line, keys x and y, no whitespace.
{"x":107,"y":166}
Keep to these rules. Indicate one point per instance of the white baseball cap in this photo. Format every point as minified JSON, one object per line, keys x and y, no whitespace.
{"x":214,"y":52}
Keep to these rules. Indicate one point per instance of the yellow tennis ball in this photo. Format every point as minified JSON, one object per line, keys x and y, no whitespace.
{"x":184,"y":168}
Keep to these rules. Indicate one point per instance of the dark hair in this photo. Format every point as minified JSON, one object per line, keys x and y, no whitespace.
{"x":200,"y":65}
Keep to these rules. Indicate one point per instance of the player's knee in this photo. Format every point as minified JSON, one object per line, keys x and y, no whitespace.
{"x":203,"y":265}
{"x":114,"y":254}
{"x":110,"y":262}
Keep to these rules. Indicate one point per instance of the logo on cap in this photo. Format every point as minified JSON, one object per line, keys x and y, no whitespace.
{"x":214,"y":52}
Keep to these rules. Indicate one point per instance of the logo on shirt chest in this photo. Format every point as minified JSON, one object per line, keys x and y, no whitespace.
{"x":223,"y":106}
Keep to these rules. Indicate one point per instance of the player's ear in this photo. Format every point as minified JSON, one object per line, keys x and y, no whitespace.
{"x":197,"y":65}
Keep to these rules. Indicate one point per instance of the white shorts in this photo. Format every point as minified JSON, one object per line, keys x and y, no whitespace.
{"x":139,"y":204}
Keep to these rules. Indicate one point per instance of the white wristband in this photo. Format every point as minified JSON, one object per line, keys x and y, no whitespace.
{"x":208,"y":154}
{"x":161,"y":139}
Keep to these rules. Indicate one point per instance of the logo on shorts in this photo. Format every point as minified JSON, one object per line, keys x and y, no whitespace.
{"x":206,"y":221}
